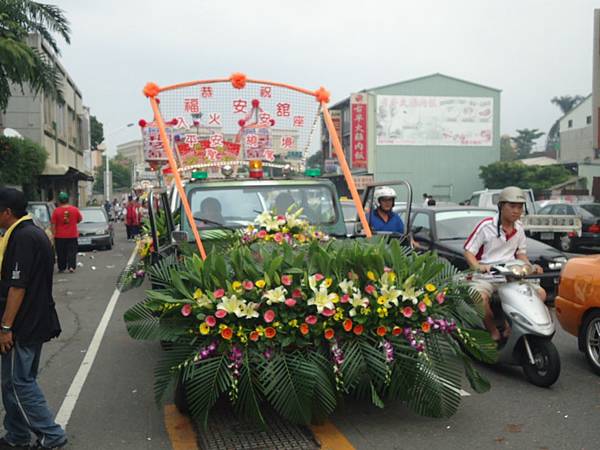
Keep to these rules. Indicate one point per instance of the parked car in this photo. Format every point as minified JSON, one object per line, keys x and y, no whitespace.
{"x":42,"y":213}
{"x":445,"y":230}
{"x":95,"y":230}
{"x":590,"y":224}
{"x":578,"y":305}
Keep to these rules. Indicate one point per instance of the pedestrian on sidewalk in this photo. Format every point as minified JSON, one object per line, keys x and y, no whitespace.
{"x":28,"y":319}
{"x":64,"y":229}
{"x":133,"y":218}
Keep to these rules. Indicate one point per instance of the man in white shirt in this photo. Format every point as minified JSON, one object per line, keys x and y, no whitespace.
{"x":498,"y":240}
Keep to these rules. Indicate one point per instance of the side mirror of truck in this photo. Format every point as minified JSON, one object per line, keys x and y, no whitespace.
{"x":180,"y":236}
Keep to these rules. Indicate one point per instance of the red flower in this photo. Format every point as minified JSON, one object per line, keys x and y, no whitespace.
{"x":407,"y":311}
{"x":270,"y":332}
{"x":142,"y":123}
{"x":328,"y":312}
{"x":219,"y":293}
{"x":297,"y":293}
{"x":255,"y":103}
{"x":322,"y":95}
{"x":370,"y":289}
{"x":248,"y":285}
{"x":241,"y":122}
{"x":261,"y":234}
{"x":151,"y":90}
{"x":269,"y":315}
{"x":329,"y":333}
{"x":396,"y":331}
{"x":272,"y":121}
{"x":221,"y":313}
{"x":290,"y":302}
{"x":358,"y":330}
{"x":210,"y":321}
{"x":227,"y":333}
{"x":319,"y":277}
{"x":304,"y":329}
{"x":381,"y":331}
{"x":345,"y":298}
{"x":286,"y":280}
{"x":426,"y":326}
{"x":311,"y":320}
{"x":254,"y":336}
{"x":440,"y":297}
{"x":348,"y":325}
{"x":186,"y":310}
{"x":422,"y":307}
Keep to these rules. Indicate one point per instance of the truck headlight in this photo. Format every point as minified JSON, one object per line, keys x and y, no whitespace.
{"x":557,"y":263}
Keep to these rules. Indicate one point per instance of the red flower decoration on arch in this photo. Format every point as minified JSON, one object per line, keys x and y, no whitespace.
{"x":238,"y":80}
{"x":322,"y":95}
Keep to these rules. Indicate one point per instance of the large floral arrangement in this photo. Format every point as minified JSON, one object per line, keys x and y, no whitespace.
{"x":287,"y":228}
{"x":300,"y":326}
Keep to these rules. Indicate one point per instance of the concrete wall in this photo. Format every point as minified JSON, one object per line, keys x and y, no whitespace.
{"x":576,"y":145}
{"x":446,"y":172}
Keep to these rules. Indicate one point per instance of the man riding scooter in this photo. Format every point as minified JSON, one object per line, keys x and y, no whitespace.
{"x":498,"y":240}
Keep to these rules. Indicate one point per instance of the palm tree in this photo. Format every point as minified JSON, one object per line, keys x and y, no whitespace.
{"x":19,"y":63}
{"x":566,"y":103}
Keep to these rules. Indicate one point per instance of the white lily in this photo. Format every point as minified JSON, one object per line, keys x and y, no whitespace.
{"x":322,"y":299}
{"x":293,"y":219}
{"x":410,"y":293}
{"x":346,"y":285}
{"x":390,"y":294}
{"x":249,"y":310}
{"x":357,"y":301}
{"x":268,"y":221}
{"x":276,"y":295}
{"x":231,"y":305}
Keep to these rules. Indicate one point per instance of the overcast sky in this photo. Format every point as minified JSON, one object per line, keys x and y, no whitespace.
{"x":530,"y":49}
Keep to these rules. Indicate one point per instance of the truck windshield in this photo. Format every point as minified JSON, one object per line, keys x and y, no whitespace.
{"x":238,"y":206}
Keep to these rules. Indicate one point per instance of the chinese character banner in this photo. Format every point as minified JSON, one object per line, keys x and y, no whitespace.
{"x":432,"y":121}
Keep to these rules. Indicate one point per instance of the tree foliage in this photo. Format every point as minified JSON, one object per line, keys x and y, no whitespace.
{"x":524,"y":141}
{"x":96,"y":132}
{"x":121,"y":174}
{"x":19,"y":63}
{"x":315,"y":160}
{"x":514,"y":173}
{"x":566,"y":103}
{"x":507,"y":151}
{"x":21,"y":161}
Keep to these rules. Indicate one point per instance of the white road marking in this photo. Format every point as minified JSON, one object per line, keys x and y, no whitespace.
{"x":68,"y":404}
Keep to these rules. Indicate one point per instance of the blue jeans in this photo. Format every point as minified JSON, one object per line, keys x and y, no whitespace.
{"x":24,"y":402}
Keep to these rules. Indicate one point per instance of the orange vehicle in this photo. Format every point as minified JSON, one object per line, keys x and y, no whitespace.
{"x":578,"y":305}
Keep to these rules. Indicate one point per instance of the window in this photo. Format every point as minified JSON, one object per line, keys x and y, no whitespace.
{"x":421,"y":220}
{"x":570,"y":123}
{"x":588,"y":119}
{"x":545,"y":210}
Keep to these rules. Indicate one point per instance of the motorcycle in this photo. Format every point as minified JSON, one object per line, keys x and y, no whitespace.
{"x":529,"y":344}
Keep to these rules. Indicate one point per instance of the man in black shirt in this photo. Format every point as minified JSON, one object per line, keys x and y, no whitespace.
{"x":28,"y":319}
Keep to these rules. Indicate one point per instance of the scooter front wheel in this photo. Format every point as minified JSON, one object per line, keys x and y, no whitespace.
{"x":546,"y":369}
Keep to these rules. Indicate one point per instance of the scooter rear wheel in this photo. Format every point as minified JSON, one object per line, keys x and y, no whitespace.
{"x":546,"y":369}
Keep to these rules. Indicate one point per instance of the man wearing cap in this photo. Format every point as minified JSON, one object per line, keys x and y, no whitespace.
{"x":499,"y":240}
{"x":64,"y":228}
{"x":28,"y":319}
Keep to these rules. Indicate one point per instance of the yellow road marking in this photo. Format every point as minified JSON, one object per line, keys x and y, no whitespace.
{"x":180,"y":429}
{"x":330,"y":437}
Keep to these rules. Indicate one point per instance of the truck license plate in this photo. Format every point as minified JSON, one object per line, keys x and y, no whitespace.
{"x":546,"y":236}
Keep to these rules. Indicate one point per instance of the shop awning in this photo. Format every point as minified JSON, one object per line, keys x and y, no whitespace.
{"x":62,"y":171}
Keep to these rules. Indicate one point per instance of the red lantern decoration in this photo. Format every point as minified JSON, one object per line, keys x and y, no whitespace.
{"x":142,"y":123}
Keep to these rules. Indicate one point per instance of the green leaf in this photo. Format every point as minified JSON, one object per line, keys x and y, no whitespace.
{"x":249,"y":394}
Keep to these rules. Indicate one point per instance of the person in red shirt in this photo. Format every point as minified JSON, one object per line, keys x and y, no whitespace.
{"x":64,"y":228}
{"x":133,"y":218}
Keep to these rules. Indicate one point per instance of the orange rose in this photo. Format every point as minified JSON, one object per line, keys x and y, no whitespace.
{"x":329,"y":333}
{"x":426,"y":326}
{"x":358,"y":330}
{"x":396,"y":331}
{"x":381,"y":331}
{"x":254,"y":336}
{"x":348,"y":325}
{"x":270,"y":332}
{"x":304,"y":329}
{"x":227,"y":333}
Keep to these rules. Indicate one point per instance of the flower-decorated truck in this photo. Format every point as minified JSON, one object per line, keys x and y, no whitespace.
{"x":268,"y":306}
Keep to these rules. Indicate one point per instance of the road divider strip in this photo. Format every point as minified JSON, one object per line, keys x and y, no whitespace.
{"x":68,"y":404}
{"x":180,"y":430}
{"x":330,"y":437}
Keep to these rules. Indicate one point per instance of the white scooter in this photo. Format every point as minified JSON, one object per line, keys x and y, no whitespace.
{"x":529,"y":344}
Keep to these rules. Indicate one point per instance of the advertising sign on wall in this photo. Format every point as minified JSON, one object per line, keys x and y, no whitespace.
{"x":336,"y":118}
{"x":423,"y":120}
{"x":358,"y":121}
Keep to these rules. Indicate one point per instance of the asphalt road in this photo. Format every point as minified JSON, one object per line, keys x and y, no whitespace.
{"x":116,"y":409}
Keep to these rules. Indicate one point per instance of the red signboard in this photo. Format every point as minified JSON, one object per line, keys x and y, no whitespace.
{"x":358,"y":120}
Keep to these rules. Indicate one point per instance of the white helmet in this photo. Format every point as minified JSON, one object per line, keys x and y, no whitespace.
{"x":383,"y":191}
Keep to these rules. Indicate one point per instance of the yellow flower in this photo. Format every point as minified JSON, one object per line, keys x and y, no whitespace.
{"x":381,"y":300}
{"x":427,"y":300}
{"x":335,"y":299}
{"x":430,"y":287}
{"x":204,"y":328}
{"x":260,"y":330}
{"x":197,"y":294}
{"x":392,"y":276}
{"x":366,"y":311}
{"x":328,"y":282}
{"x":277,"y":324}
{"x":243,"y":339}
{"x":222,"y":327}
{"x":236,"y":285}
{"x":293,"y":323}
{"x":260,"y":283}
{"x":371,"y":276}
{"x":338,"y":316}
{"x":382,"y":312}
